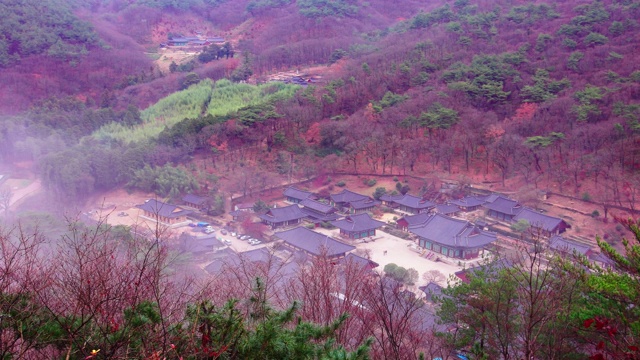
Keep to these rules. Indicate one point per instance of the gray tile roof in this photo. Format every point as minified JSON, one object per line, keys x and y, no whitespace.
{"x":447,"y":209}
{"x":491,"y":269}
{"x":318,"y":206}
{"x":364,"y":203}
{"x":360,"y":222}
{"x":417,"y":219}
{"x":194,"y":199}
{"x":359,"y":260}
{"x":469,"y":201}
{"x":245,"y":206}
{"x":447,"y":231}
{"x":559,"y":243}
{"x":237,"y":212}
{"x":431,"y":289}
{"x":538,"y":220}
{"x":282,"y":214}
{"x":199,"y":244}
{"x":504,"y":205}
{"x":489,"y":198}
{"x":390,"y":198}
{"x":313,"y":242}
{"x":261,"y":254}
{"x":293,"y":192}
{"x":346,"y":196}
{"x":602,"y":258}
{"x":414,"y":202}
{"x":315,"y":216}
{"x":162,"y":209}
{"x":229,"y":258}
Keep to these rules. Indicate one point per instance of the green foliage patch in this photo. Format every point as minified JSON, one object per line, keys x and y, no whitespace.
{"x":323,"y":8}
{"x":219,"y":98}
{"x":33,"y":27}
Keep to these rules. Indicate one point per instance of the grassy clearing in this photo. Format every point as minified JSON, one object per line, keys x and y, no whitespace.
{"x":228,"y":97}
{"x":206,"y":97}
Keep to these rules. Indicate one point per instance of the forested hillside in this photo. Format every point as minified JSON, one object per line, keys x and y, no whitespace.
{"x":527,"y":97}
{"x":542,"y":94}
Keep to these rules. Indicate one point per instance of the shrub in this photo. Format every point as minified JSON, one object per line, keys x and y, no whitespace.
{"x":586,"y":196}
{"x":400,"y":274}
{"x":595,"y":213}
{"x":326,"y":225}
{"x":341,"y":183}
{"x":521,"y":226}
{"x":372,"y":182}
{"x":395,"y":178}
{"x":379,"y":192}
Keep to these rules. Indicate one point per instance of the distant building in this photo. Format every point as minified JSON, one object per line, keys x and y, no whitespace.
{"x":490,"y":270}
{"x":283,"y":216}
{"x":412,"y":220}
{"x":430,"y":290}
{"x":353,"y":203}
{"x":447,"y":209}
{"x":216,"y":40}
{"x":244,"y":207}
{"x":199,"y":245}
{"x":319,"y":212}
{"x":313,"y":243}
{"x":547,"y":225}
{"x":295,"y":195}
{"x":195,"y":201}
{"x":354,"y":259}
{"x":502,"y":208}
{"x":164,"y":213}
{"x":409,"y":203}
{"x":357,"y":226}
{"x":454,"y":238}
{"x":178,"y":42}
{"x":565,"y":247}
{"x":469,"y":203}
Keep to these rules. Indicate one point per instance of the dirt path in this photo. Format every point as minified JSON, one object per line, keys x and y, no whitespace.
{"x":21,"y":193}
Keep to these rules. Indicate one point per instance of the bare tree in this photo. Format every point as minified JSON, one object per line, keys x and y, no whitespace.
{"x":434,"y":276}
{"x":392,"y":319}
{"x":23,"y":271}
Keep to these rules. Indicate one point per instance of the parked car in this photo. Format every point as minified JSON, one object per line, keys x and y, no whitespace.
{"x":233,"y":234}
{"x":245,"y":237}
{"x":256,"y":242}
{"x":223,"y":232}
{"x":226,"y":242}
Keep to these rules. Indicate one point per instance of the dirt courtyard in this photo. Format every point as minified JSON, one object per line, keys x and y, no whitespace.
{"x":387,"y":249}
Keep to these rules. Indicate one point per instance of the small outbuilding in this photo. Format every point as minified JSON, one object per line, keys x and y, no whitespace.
{"x":283,"y":216}
{"x":164,"y":213}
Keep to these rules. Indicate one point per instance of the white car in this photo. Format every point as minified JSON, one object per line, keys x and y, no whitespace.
{"x":226,"y":242}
